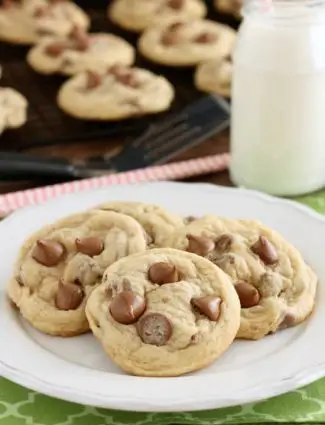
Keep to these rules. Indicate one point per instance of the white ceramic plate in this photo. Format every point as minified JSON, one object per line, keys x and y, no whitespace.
{"x":76,"y":369}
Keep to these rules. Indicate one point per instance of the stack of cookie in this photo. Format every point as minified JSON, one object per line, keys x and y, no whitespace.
{"x":103,"y":84}
{"x":164,"y":295}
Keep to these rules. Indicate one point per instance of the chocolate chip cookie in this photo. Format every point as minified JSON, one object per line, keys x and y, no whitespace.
{"x":186,"y":42}
{"x":116,"y":93}
{"x":164,"y":312}
{"x":137,"y":15}
{"x":276,"y":287}
{"x":156,"y":221}
{"x":60,"y":265}
{"x":79,"y":52}
{"x":27,"y":21}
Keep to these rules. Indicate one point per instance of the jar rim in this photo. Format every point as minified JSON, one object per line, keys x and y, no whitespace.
{"x":277,"y":8}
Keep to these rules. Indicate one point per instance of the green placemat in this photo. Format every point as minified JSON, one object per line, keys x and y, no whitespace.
{"x":19,"y":406}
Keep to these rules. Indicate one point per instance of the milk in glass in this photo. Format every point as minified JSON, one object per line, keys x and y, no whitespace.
{"x":278,"y":98}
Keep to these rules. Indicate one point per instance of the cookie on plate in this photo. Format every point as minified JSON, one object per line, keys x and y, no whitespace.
{"x":119,"y":93}
{"x":164,"y":313}
{"x":214,"y":76}
{"x":61,"y":264}
{"x":186,"y":43}
{"x":79,"y":52}
{"x":137,"y":15}
{"x":276,"y":287}
{"x":158,"y":223}
{"x":26,"y":21}
{"x":229,"y":7}
{"x":13,"y":109}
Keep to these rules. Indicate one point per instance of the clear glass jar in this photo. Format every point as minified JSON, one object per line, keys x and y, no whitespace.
{"x":278,"y":98}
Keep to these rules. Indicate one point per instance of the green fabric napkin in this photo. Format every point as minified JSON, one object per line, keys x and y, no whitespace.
{"x":19,"y":406}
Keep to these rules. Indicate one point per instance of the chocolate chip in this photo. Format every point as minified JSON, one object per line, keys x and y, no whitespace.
{"x":82,"y":44}
{"x":40,"y":12}
{"x":55,"y":49}
{"x":124,"y":76}
{"x":223,"y":243}
{"x":126,"y":307}
{"x":209,"y":306}
{"x":205,"y":38}
{"x":90,"y":246}
{"x":93,"y":80}
{"x":248,"y":294}
{"x":80,"y":38}
{"x":69,"y":296}
{"x":154,"y":329}
{"x":175,"y":4}
{"x":161,"y":273}
{"x":195,"y":338}
{"x":228,"y":58}
{"x":200,"y":245}
{"x":169,"y":39}
{"x":265,"y":250}
{"x":170,"y":36}
{"x":189,"y":219}
{"x":48,"y":253}
{"x":128,"y":79}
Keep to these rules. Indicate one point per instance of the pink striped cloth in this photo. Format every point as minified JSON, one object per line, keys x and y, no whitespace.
{"x":174,"y":171}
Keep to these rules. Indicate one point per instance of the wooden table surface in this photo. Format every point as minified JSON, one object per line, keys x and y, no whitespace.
{"x":216,"y":145}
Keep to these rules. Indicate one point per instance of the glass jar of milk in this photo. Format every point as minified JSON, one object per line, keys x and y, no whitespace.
{"x":278,"y":98}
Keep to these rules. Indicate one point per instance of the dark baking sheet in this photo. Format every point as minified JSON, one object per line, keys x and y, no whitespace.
{"x":47,"y":125}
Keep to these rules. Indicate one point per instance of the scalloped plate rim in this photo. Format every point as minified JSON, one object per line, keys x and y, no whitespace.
{"x":288,"y":383}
